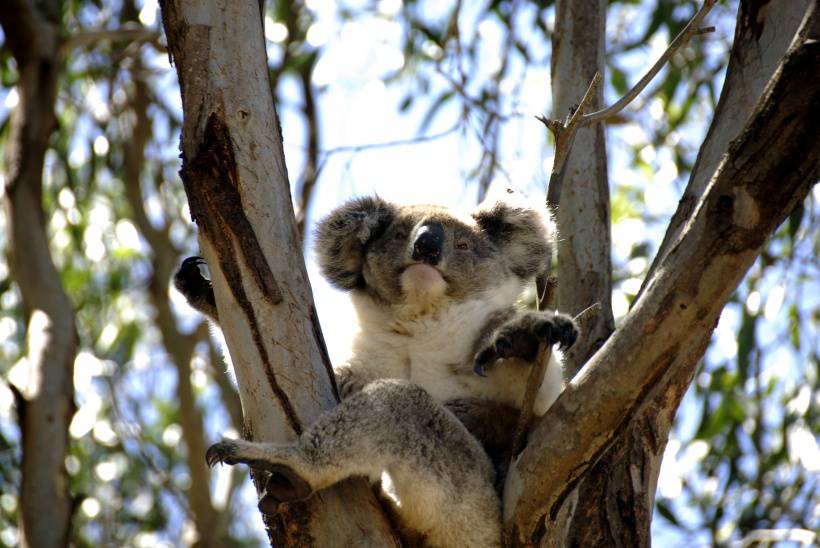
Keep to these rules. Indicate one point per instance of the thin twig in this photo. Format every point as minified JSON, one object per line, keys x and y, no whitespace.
{"x":564,"y":132}
{"x":388,"y":144}
{"x":588,"y":313}
{"x":534,"y":381}
{"x":537,"y":372}
{"x":692,"y":28}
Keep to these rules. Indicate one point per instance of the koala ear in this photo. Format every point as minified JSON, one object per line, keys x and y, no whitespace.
{"x":523,"y":235}
{"x":341,"y":238}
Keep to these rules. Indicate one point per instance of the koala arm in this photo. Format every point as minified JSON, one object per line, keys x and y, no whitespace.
{"x":507,"y":347}
{"x":199,"y":293}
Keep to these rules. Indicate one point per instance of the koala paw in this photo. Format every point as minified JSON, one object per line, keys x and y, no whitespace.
{"x":283,"y":484}
{"x":521,"y":336}
{"x":195,"y":287}
{"x":189,"y":280}
{"x":223,"y":452}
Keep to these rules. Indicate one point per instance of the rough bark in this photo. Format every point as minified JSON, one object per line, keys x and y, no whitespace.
{"x":46,"y":402}
{"x":766,"y":171}
{"x":235,"y":178}
{"x":211,"y":525}
{"x":582,"y":193}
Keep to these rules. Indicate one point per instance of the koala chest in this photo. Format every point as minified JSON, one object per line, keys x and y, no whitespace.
{"x":431,"y":351}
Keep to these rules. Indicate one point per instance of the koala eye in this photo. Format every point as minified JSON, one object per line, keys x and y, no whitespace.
{"x":463,"y":245}
{"x":400,"y":235}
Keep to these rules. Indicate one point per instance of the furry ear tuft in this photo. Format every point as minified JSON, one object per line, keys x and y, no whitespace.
{"x":524,"y":235}
{"x":341,"y":238}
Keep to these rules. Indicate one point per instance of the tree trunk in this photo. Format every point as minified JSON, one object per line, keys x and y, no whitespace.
{"x":235,"y":178}
{"x":766,"y":171}
{"x":582,"y":193}
{"x":618,"y":494}
{"x":46,"y":402}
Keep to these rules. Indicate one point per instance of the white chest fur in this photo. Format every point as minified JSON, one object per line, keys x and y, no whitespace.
{"x":425,"y":348}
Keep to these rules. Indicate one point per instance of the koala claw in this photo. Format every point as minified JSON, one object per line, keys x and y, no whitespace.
{"x":223,"y":452}
{"x":520,"y":338}
{"x":188,"y":278}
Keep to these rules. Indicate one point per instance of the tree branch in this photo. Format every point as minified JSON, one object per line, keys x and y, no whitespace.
{"x":88,"y":38}
{"x":759,"y":44}
{"x":691,"y":29}
{"x":765,"y":173}
{"x":46,"y":402}
{"x":22,"y":26}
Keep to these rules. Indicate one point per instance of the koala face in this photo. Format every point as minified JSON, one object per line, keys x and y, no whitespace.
{"x":398,"y":254}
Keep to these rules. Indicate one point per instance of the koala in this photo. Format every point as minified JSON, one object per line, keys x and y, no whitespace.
{"x":439,"y":339}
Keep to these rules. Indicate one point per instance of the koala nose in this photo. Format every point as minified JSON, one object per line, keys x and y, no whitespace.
{"x":427,"y":247}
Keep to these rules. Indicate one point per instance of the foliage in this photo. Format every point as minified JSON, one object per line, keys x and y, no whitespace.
{"x":744,"y":454}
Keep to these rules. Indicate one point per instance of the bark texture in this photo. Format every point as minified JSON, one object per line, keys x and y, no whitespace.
{"x":766,"y":171}
{"x":235,"y":178}
{"x":46,"y":402}
{"x":617,"y":495}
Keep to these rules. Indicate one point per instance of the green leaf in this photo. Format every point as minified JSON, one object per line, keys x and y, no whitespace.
{"x":617,"y":78}
{"x":746,"y":342}
{"x":665,"y":511}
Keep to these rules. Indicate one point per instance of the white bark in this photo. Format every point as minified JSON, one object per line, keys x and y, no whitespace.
{"x":582,"y":195}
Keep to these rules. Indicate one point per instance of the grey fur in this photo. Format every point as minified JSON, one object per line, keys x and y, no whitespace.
{"x":439,"y":471}
{"x":428,"y":333}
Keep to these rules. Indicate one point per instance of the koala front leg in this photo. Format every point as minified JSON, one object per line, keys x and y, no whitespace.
{"x":506,"y":352}
{"x":520,"y":336}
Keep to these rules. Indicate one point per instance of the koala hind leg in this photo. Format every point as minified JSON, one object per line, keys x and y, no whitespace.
{"x":436,"y":474}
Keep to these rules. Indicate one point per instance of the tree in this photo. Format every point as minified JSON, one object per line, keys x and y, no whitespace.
{"x":247,"y":234}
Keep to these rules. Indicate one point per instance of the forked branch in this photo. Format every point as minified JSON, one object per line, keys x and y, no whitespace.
{"x":564,"y":132}
{"x":692,"y":28}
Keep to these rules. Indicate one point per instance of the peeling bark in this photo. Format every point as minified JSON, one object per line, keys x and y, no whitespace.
{"x":766,"y":171}
{"x":235,"y":178}
{"x":46,"y":402}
